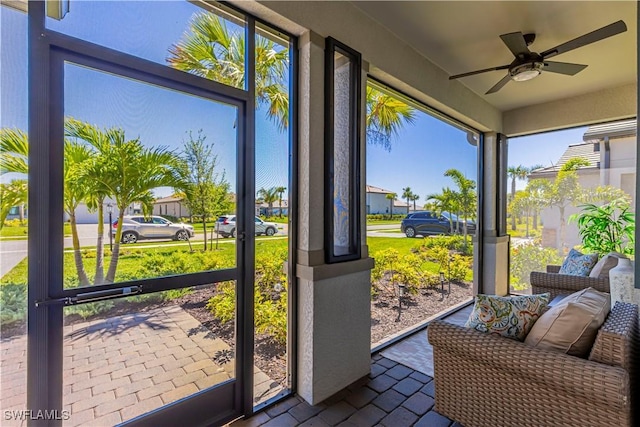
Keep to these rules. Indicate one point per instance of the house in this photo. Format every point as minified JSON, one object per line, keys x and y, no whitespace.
{"x":263,"y":208}
{"x":377,"y":202}
{"x":610,"y":150}
{"x":408,"y":49}
{"x":173,"y":205}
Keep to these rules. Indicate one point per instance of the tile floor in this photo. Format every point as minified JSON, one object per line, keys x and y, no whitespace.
{"x":397,"y":393}
{"x":393,"y":395}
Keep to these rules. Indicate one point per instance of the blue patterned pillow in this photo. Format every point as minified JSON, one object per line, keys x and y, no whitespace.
{"x":578,"y":264}
{"x":512,"y":317}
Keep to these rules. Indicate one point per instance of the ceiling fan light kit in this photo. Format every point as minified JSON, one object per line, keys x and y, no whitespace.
{"x":528,"y":65}
{"x":524,"y":72}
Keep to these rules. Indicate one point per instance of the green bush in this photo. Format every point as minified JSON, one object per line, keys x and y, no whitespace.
{"x":459,"y":268}
{"x":15,"y":223}
{"x":270,"y":296}
{"x":385,"y":217}
{"x":13,"y":303}
{"x":529,"y":257}
{"x":452,"y":243}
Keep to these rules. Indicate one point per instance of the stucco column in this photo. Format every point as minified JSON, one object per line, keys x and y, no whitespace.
{"x":495,"y":244}
{"x":334,"y":312}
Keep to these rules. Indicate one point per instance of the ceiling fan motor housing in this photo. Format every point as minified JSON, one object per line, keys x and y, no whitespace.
{"x":526,"y":66}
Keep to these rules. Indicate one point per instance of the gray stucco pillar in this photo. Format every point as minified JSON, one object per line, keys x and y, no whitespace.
{"x":495,"y":244}
{"x":334,"y":312}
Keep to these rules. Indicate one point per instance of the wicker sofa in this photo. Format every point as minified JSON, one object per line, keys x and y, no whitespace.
{"x":485,"y":380}
{"x":563,"y":284}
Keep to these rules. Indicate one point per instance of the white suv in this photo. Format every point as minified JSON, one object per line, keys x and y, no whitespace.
{"x":226,"y":226}
{"x":138,"y":227}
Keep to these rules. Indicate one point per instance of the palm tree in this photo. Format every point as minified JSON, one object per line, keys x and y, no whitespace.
{"x":386,"y":115}
{"x":413,"y":199}
{"x":268,"y":196}
{"x":280,"y":191}
{"x":444,"y":202}
{"x":466,"y":196}
{"x":76,"y":190}
{"x":14,"y":146}
{"x":94,"y":175}
{"x":391,"y":197}
{"x":515,"y":172}
{"x":407,"y":194}
{"x":12,"y":194}
{"x":14,"y":150}
{"x":565,"y":191}
{"x":535,"y":209}
{"x":210,"y":50}
{"x":130,"y":173}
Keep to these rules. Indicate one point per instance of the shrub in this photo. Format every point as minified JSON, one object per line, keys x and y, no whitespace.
{"x":452,"y":243}
{"x":529,"y":257}
{"x":459,"y":267}
{"x":270,"y":296}
{"x":13,"y":300}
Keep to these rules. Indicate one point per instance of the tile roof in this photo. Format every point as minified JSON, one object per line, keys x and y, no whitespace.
{"x":372,"y":189}
{"x":586,"y":150}
{"x":619,"y":129}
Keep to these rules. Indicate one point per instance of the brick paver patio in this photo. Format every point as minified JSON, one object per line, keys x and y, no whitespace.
{"x":118,"y":368}
{"x":393,"y":395}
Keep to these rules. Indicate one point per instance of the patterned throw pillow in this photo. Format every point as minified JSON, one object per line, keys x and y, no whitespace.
{"x":512,"y":317}
{"x":578,"y":264}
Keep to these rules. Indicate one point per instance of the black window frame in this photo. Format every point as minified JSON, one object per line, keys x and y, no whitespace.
{"x":333,"y":46}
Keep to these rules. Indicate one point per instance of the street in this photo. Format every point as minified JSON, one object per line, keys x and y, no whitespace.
{"x":12,"y":251}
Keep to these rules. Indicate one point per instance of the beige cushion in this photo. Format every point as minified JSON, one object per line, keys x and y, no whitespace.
{"x":609,"y":261}
{"x":571,"y":325}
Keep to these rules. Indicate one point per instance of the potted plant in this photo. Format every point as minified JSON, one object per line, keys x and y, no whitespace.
{"x":607,"y":228}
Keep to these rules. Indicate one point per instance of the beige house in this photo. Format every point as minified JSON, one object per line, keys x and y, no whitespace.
{"x":610,"y":150}
{"x":171,"y":205}
{"x":377,"y":202}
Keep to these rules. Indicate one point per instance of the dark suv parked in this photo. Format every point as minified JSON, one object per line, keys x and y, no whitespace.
{"x":424,"y":223}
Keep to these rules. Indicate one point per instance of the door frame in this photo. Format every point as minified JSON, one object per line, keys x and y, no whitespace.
{"x":48,"y":50}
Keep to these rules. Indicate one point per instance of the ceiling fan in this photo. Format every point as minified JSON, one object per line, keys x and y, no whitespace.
{"x":528,"y":65}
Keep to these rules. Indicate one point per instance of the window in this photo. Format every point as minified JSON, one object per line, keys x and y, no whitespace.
{"x":553,"y":177}
{"x":427,"y":166}
{"x":342,"y":159}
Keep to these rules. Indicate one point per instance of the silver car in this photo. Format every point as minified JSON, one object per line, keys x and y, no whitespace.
{"x":138,"y":227}
{"x":226,"y":226}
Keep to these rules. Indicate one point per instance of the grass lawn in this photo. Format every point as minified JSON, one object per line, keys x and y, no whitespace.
{"x":21,"y":231}
{"x":383,"y":222}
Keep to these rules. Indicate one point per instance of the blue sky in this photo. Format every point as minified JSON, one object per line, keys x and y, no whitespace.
{"x":420,"y":153}
{"x":159,"y":117}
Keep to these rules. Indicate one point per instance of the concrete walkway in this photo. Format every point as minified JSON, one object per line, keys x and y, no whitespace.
{"x":119,"y":368}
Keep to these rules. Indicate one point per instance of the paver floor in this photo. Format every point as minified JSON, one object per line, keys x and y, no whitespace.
{"x":121,"y":367}
{"x":392,"y":395}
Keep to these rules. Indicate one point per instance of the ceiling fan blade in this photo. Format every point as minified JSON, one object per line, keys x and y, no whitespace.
{"x":471,"y":73}
{"x":515,"y":42}
{"x":592,"y":37}
{"x":563,"y":67}
{"x":499,"y":85}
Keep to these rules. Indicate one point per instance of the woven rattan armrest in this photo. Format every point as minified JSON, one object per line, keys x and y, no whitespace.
{"x":559,"y":284}
{"x":553,"y":268}
{"x":617,"y":339}
{"x":569,"y":375}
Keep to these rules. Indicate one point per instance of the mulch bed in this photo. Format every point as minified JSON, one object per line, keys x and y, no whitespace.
{"x":387,"y":319}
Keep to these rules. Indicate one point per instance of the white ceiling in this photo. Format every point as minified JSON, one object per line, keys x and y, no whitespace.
{"x":464,"y":36}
